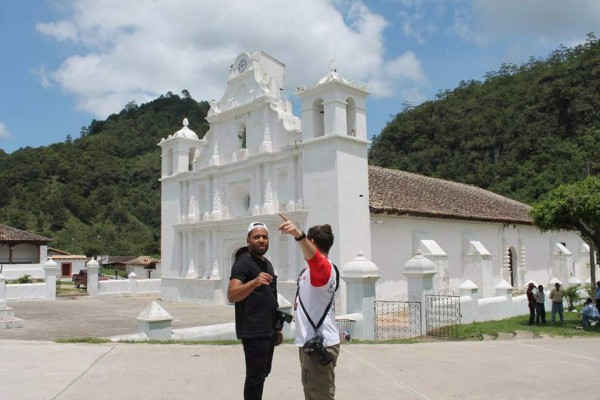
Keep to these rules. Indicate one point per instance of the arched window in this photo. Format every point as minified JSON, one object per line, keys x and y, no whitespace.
{"x":242,"y":137}
{"x":318,"y":118}
{"x":350,"y":116}
{"x":191,"y":156}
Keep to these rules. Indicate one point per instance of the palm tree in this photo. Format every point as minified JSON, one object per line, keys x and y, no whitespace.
{"x":572,"y":296}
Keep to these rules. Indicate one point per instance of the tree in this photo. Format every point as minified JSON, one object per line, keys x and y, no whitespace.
{"x":574,"y":206}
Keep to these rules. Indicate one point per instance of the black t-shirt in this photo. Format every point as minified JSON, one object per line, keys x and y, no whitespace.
{"x":255,"y":315}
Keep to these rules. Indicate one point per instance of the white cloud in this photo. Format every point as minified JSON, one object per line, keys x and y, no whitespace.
{"x":137,"y":50}
{"x":61,"y":31}
{"x":4,"y":132}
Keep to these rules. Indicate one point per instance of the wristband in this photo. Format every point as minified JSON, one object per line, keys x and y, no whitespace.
{"x":299,"y":238}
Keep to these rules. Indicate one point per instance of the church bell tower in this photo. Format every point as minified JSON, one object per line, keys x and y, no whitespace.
{"x":334,"y":159}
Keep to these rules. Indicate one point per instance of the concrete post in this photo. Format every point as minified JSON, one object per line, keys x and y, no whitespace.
{"x":50,"y":271}
{"x":133,"y":283}
{"x":360,"y":276}
{"x":419,"y":272}
{"x":155,"y":322}
{"x":469,"y":296}
{"x":92,"y":278}
{"x":503,"y":288}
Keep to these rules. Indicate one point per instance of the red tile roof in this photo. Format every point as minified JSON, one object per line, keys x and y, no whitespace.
{"x":403,"y":193}
{"x":16,"y":236}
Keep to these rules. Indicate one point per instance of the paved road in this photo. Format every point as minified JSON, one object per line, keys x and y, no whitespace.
{"x":497,"y":370}
{"x":81,"y":316}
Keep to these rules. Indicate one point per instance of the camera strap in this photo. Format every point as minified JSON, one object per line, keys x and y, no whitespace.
{"x":337,"y":283}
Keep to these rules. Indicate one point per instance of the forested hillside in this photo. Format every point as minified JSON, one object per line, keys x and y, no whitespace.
{"x":520,"y":132}
{"x":99,"y":193}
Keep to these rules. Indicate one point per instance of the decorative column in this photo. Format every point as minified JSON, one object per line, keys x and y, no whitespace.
{"x":419,"y":272}
{"x":50,"y":271}
{"x":360,"y":276}
{"x":266,"y":146}
{"x":185,"y":201}
{"x":268,"y":207}
{"x":522,"y":262}
{"x":92,"y":278}
{"x":184,"y":253}
{"x":215,"y":160}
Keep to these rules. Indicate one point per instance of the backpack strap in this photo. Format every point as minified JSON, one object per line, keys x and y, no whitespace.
{"x":337,"y":284}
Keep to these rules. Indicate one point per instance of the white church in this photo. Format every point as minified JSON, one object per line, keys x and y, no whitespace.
{"x":258,"y":159}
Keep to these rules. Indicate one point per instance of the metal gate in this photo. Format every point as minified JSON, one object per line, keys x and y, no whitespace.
{"x":399,"y":318}
{"x":442,"y":314}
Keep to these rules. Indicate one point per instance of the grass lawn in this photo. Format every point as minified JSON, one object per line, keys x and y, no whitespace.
{"x":568,"y":328}
{"x":67,"y":288}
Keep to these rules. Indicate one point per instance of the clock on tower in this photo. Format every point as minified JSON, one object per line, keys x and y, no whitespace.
{"x":242,"y":65}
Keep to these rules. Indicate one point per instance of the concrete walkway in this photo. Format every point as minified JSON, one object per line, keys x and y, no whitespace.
{"x":511,"y":369}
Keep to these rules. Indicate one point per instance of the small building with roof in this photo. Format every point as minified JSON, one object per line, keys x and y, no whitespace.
{"x":68,"y":263}
{"x":258,"y":159}
{"x":22,"y":252}
{"x":143,"y":267}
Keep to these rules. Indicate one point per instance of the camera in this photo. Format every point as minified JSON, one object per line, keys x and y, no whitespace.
{"x":281,"y":318}
{"x":315,"y":347}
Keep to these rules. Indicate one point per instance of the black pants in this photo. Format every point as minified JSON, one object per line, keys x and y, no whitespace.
{"x":540,"y":313}
{"x":531,"y":312}
{"x":259,"y":356}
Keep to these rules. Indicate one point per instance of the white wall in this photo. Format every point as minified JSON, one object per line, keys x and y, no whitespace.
{"x":395,"y":240}
{"x":14,"y":271}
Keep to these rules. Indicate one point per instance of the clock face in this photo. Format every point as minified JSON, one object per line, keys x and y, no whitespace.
{"x":242,"y":65}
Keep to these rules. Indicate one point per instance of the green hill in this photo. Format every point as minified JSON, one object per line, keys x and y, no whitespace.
{"x":521,"y":132}
{"x":98,"y":194}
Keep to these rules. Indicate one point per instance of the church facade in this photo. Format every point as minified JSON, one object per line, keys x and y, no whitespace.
{"x":258,"y":160}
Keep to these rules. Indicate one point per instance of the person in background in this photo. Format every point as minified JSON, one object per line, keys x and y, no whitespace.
{"x":556,"y":295}
{"x":253,"y":289}
{"x":589,"y":312}
{"x":531,"y":302}
{"x":540,"y":308}
{"x":598,"y":295}
{"x":317,"y":335}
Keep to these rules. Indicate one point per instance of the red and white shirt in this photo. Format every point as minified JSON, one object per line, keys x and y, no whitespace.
{"x":316,"y":287}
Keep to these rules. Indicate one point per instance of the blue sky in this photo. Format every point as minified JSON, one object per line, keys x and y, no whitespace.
{"x":66,"y":62}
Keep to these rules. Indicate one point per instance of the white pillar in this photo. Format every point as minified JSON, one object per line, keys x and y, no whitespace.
{"x":92,"y":278}
{"x":419,"y":272}
{"x":360,"y":276}
{"x":469,"y":298}
{"x":133,"y":283}
{"x":50,"y":271}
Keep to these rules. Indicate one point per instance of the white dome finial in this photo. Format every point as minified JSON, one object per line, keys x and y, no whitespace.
{"x":185,"y":122}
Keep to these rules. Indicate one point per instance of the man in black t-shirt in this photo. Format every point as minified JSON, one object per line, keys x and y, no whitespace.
{"x":253,"y":289}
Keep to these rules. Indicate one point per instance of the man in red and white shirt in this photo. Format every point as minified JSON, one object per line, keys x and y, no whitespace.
{"x":316,"y":288}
